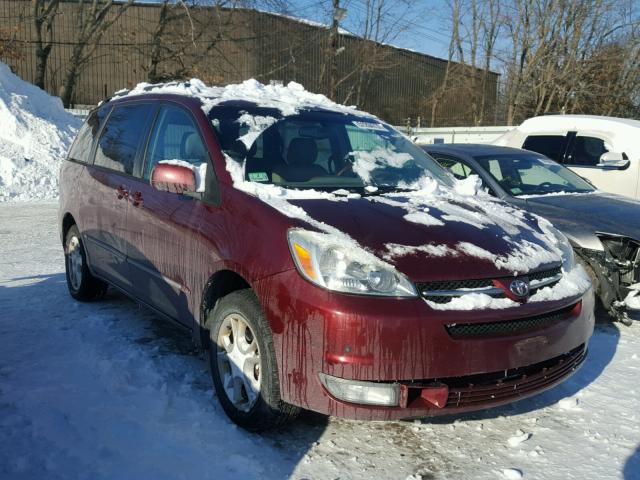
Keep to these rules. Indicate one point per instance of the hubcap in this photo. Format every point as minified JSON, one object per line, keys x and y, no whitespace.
{"x":74,"y":259}
{"x":238,"y":359}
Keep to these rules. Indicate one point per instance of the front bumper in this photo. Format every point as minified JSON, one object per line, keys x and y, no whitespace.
{"x":404,"y":341}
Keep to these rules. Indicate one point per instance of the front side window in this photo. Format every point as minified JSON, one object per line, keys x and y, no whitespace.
{"x":175,"y":136}
{"x":552,"y":146}
{"x":121,"y":137}
{"x":586,"y":151}
{"x":530,"y":174}
{"x":321,"y":150}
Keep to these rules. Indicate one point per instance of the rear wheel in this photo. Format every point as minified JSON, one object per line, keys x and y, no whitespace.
{"x":82,"y":285}
{"x":243,"y":365}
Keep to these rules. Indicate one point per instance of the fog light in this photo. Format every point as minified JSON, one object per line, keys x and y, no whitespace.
{"x":367,"y":393}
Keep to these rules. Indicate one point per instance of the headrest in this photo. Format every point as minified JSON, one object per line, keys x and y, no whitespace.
{"x":193,"y":148}
{"x":302,"y":151}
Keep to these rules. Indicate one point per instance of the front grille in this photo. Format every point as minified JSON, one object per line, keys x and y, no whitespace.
{"x":507,"y":327}
{"x":475,"y":391}
{"x":501,"y":386}
{"x":454,"y":285}
{"x":445,"y":291}
{"x":544,"y":274}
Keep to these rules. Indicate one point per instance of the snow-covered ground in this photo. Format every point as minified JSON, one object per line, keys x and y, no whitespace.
{"x":105,"y":390}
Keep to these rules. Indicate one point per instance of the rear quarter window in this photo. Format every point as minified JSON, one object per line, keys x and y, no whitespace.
{"x":122,"y":137}
{"x":83,"y":144}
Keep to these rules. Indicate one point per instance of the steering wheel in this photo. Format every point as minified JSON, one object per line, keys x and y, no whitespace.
{"x":547,"y":185}
{"x":348,"y":164}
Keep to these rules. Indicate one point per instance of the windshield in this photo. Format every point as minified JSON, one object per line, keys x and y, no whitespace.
{"x":321,"y":150}
{"x":531,"y":174}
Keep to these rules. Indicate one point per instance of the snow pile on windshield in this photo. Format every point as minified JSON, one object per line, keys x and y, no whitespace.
{"x":35,"y":136}
{"x":367,"y":162}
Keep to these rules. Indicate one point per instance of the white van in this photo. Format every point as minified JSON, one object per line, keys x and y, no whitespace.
{"x":604,"y":150}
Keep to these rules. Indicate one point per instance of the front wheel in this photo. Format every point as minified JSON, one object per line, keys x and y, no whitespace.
{"x":81,"y":283}
{"x":243,"y":365}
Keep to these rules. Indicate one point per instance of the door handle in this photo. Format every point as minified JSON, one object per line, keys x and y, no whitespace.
{"x":122,"y":192}
{"x":137,"y":199}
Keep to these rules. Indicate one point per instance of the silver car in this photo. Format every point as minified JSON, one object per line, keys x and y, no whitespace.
{"x":603,"y":228}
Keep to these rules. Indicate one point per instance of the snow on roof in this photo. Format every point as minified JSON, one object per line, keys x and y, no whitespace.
{"x":289,"y":99}
{"x":591,"y":122}
{"x":305,"y":21}
{"x":35,"y":136}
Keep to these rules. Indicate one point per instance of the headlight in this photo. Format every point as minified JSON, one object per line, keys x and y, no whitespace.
{"x":566,"y":251}
{"x":322,"y":260}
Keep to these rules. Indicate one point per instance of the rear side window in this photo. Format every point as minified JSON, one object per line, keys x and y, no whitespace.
{"x":586,"y":151}
{"x":552,"y":146}
{"x":122,"y":137}
{"x":81,"y":149}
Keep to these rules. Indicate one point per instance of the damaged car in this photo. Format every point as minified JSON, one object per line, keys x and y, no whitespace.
{"x":323,"y":260}
{"x":603,"y":228}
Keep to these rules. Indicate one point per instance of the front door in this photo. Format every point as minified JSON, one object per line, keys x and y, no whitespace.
{"x":163,"y":226}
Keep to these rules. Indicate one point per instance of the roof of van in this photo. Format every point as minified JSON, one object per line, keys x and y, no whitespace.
{"x":288,"y":99}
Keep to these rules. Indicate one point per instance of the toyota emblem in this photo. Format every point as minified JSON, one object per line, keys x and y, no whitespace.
{"x":520,"y":288}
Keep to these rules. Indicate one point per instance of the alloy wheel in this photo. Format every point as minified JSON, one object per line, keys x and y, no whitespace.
{"x":238,"y":359}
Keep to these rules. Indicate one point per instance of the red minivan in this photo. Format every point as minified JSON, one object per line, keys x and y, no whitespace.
{"x":325,"y":261}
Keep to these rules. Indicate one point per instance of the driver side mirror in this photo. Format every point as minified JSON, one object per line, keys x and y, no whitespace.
{"x":173,"y":178}
{"x":613,"y":160}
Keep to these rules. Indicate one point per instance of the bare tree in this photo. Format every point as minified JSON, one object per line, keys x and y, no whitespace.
{"x":442,"y":89}
{"x":44,"y":12}
{"x":356,"y":63}
{"x":551,"y":54}
{"x":186,"y":34}
{"x":94,"y":17}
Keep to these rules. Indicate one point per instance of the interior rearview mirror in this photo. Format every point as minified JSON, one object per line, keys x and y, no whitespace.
{"x":173,"y":178}
{"x":613,"y":160}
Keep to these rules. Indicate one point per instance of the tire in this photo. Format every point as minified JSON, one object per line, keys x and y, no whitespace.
{"x":239,"y":334}
{"x":82,"y":284}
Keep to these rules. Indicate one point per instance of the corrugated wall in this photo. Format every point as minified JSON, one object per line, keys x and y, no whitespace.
{"x":389,"y":82}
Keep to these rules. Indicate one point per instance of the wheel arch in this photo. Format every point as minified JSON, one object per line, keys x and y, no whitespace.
{"x":221,"y":283}
{"x":67,"y":222}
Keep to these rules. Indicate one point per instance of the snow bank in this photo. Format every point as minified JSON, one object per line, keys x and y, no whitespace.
{"x":35,"y":136}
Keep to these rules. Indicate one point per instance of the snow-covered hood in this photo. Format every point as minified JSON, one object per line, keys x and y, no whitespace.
{"x":583,"y":215}
{"x":440,"y":238}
